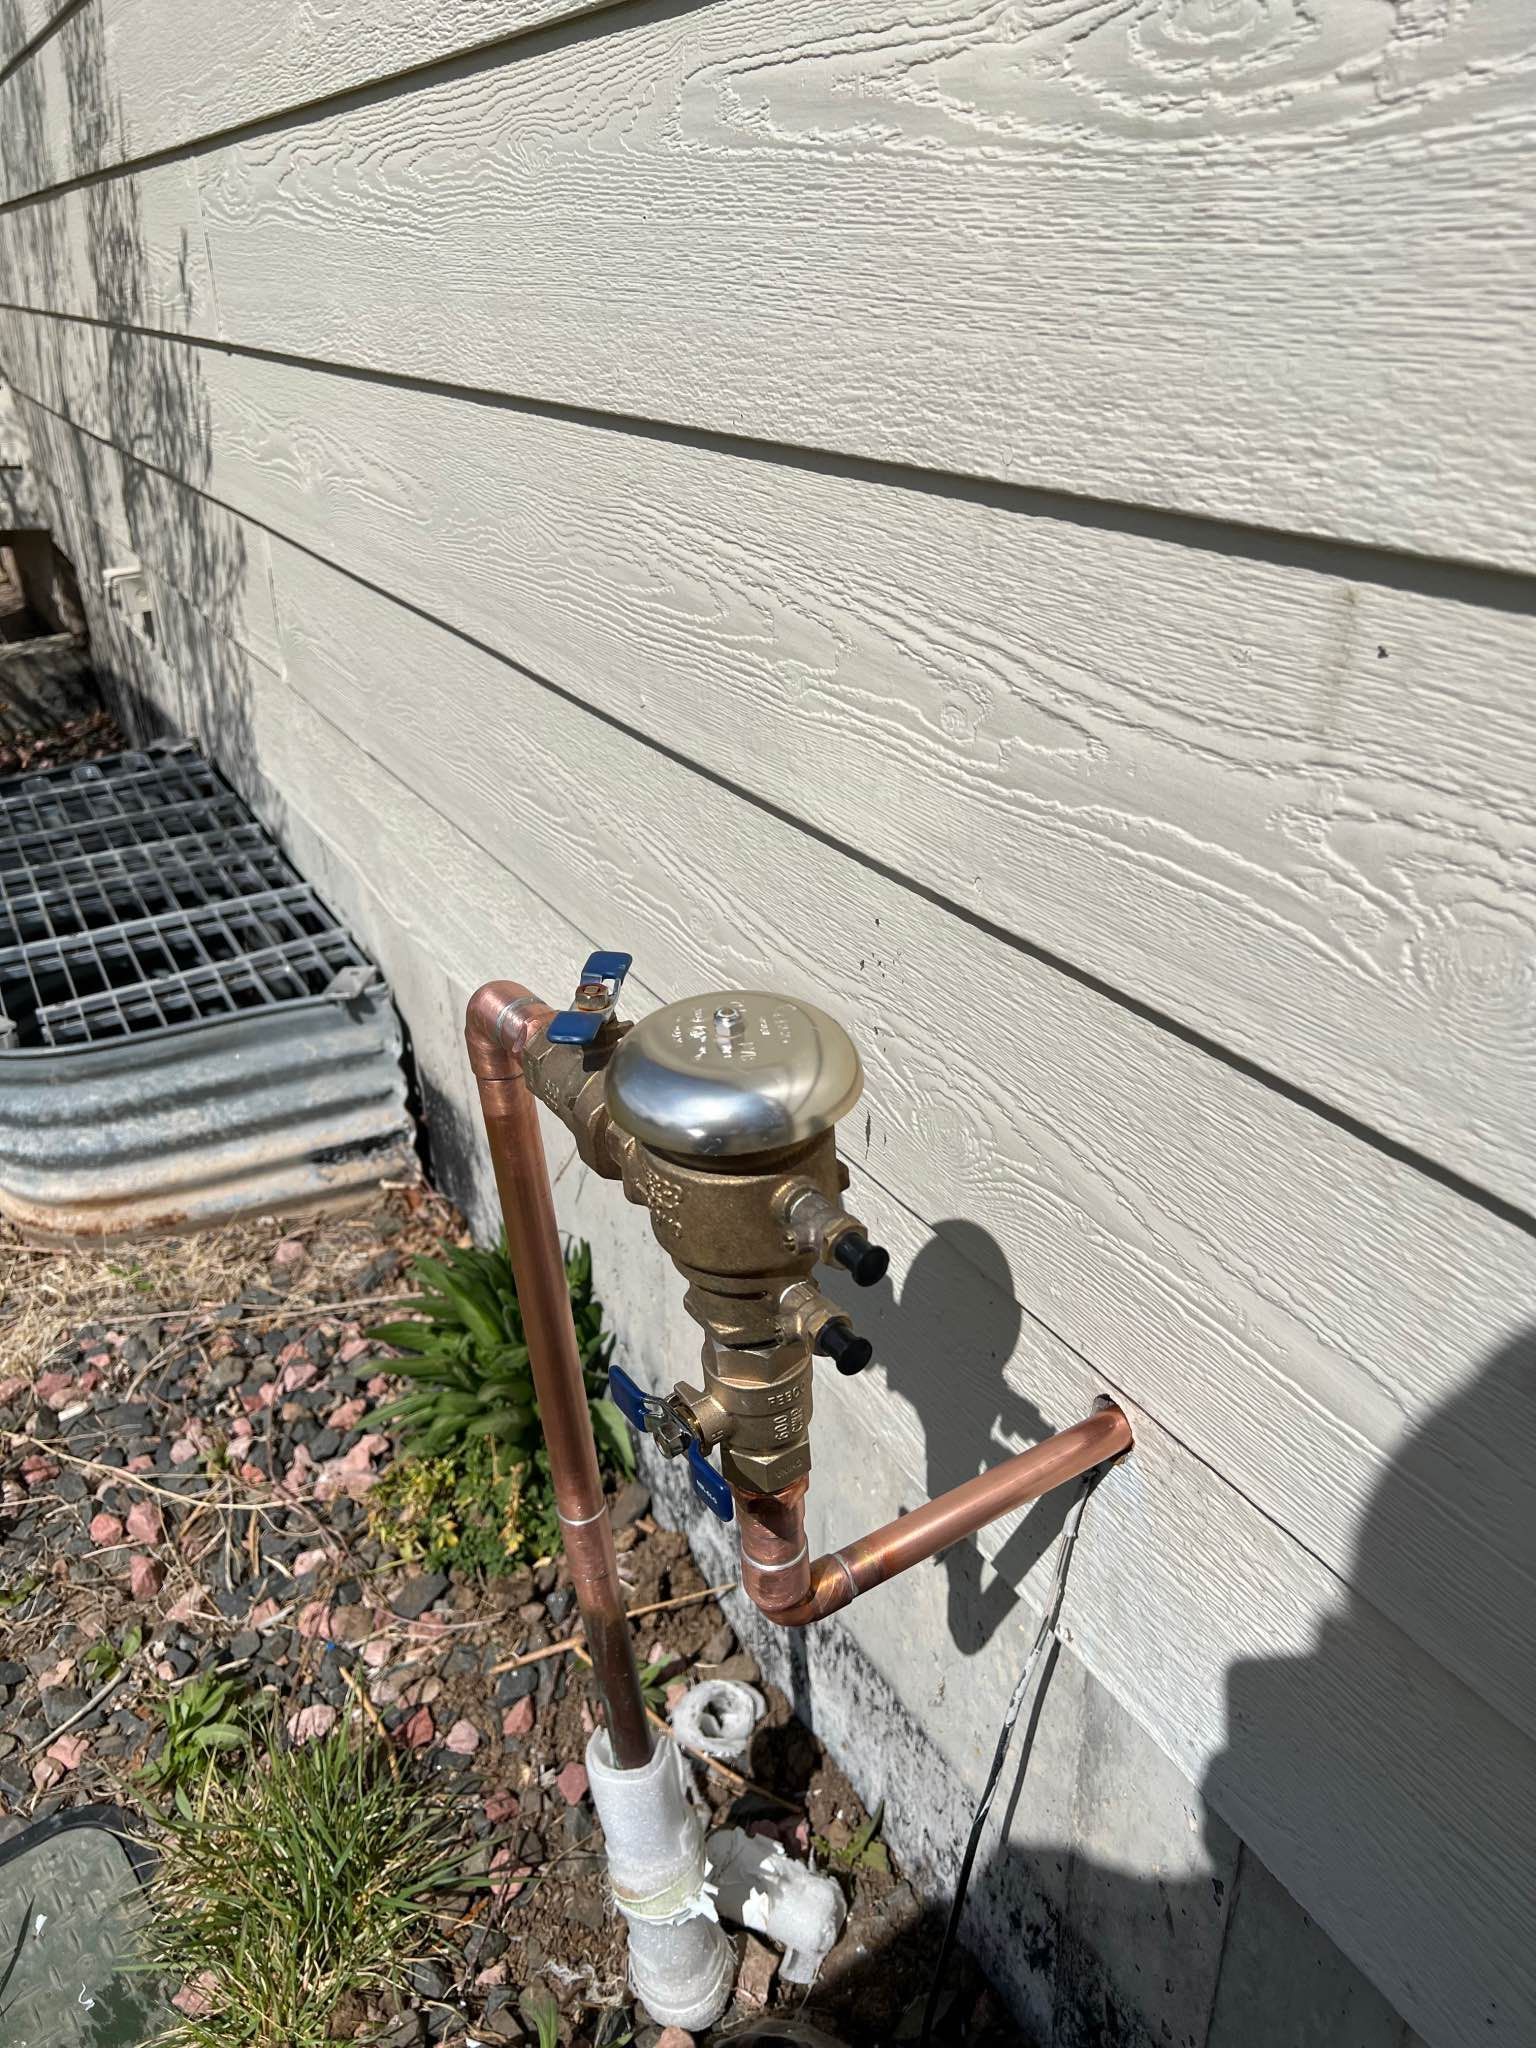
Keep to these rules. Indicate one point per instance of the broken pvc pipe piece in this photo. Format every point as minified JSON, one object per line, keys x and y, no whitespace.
{"x":758,"y":1885}
{"x":717,"y":1717}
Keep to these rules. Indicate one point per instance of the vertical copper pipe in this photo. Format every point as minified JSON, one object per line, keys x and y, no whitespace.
{"x":776,"y":1565}
{"x":501,"y":1020}
{"x":841,"y":1576}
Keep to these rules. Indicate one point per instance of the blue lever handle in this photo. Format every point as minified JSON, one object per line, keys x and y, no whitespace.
{"x":709,"y":1487}
{"x":643,"y":1411}
{"x":631,"y":1401}
{"x":581,"y":1027}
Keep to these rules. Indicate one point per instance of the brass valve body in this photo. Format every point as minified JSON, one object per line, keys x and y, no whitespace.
{"x":726,"y":1227}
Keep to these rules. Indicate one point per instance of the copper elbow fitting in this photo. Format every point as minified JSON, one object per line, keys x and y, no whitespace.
{"x":780,"y":1581}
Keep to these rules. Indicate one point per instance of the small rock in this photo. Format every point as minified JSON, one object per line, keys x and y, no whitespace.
{"x":630,"y":1503}
{"x":106,"y":1531}
{"x":756,"y":1973}
{"x":419,"y":1730}
{"x":719,"y":1646}
{"x":418,"y":1594}
{"x":145,"y":1523}
{"x":463,"y":1739}
{"x":61,"y":1703}
{"x":571,"y":1782}
{"x":409,"y":2031}
{"x":427,"y":1980}
{"x":741,"y":1666}
{"x":516,"y":1684}
{"x":309,"y":1723}
{"x":146,"y":1575}
{"x":518,"y":1720}
{"x":675,"y":2037}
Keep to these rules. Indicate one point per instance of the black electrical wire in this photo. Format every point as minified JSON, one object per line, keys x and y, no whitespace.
{"x":1045,"y":1636}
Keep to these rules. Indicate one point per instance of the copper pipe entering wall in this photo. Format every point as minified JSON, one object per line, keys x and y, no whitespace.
{"x":501,"y":1021}
{"x":833,"y":1581}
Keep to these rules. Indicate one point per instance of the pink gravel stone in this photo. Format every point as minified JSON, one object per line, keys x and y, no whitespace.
{"x":145,"y":1523}
{"x":463,"y":1739}
{"x":419,"y":1730}
{"x":310,"y":1722}
{"x":145,"y":1576}
{"x":314,"y":1619}
{"x":571,"y":1783}
{"x":106,"y":1529}
{"x":519,"y":1718}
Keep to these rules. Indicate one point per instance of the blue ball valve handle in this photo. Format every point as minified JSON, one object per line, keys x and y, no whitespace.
{"x":596,"y":999}
{"x":660,"y":1420}
{"x":709,"y":1487}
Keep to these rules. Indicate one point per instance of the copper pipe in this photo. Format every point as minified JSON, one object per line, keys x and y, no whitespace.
{"x":776,"y":1565}
{"x":844,"y":1574}
{"x":501,"y":1021}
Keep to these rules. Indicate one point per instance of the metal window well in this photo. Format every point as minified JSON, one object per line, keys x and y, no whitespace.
{"x":186,"y":1032}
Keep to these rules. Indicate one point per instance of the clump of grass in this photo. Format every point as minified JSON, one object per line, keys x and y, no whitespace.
{"x":315,"y":1875}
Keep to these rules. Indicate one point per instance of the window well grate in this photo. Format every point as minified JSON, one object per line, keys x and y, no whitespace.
{"x":140,"y":895}
{"x":124,"y":883}
{"x":186,"y":1032}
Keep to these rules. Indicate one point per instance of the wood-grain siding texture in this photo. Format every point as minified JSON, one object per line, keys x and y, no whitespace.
{"x":930,"y":242}
{"x":801,"y":441}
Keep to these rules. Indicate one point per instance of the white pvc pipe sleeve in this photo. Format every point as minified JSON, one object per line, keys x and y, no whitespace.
{"x":681,"y":1962}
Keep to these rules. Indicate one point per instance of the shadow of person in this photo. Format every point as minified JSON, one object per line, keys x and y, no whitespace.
{"x":1394,"y":1803}
{"x":944,"y":1345}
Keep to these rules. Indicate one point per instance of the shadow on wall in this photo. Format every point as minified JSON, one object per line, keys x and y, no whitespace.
{"x":91,"y":254}
{"x":1354,"y":1760}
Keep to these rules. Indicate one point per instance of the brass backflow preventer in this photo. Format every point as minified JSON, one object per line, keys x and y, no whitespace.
{"x":719,"y":1115}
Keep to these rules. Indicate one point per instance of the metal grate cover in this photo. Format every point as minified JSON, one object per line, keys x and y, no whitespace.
{"x":169,"y":923}
{"x":186,"y":1031}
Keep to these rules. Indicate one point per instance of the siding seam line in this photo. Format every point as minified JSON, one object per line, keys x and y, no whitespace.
{"x":1487,"y":586}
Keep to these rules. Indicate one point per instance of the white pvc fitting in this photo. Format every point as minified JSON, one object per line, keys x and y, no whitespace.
{"x":717,"y":1717}
{"x":681,"y":1962}
{"x":759,"y":1886}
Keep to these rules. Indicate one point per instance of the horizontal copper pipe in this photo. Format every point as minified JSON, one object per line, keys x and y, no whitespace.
{"x":502,"y":1020}
{"x":835,"y":1580}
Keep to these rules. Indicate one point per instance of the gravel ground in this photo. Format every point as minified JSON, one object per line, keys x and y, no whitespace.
{"x":188,"y":1450}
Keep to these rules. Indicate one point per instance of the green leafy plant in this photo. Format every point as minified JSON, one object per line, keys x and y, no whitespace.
{"x":655,"y":1679}
{"x":202,"y":1721}
{"x":104,"y":1660}
{"x":473,"y":1509}
{"x":466,"y":1353}
{"x":140,"y":1281}
{"x":473,"y":1487}
{"x":320,"y":1873}
{"x":864,"y":1850}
